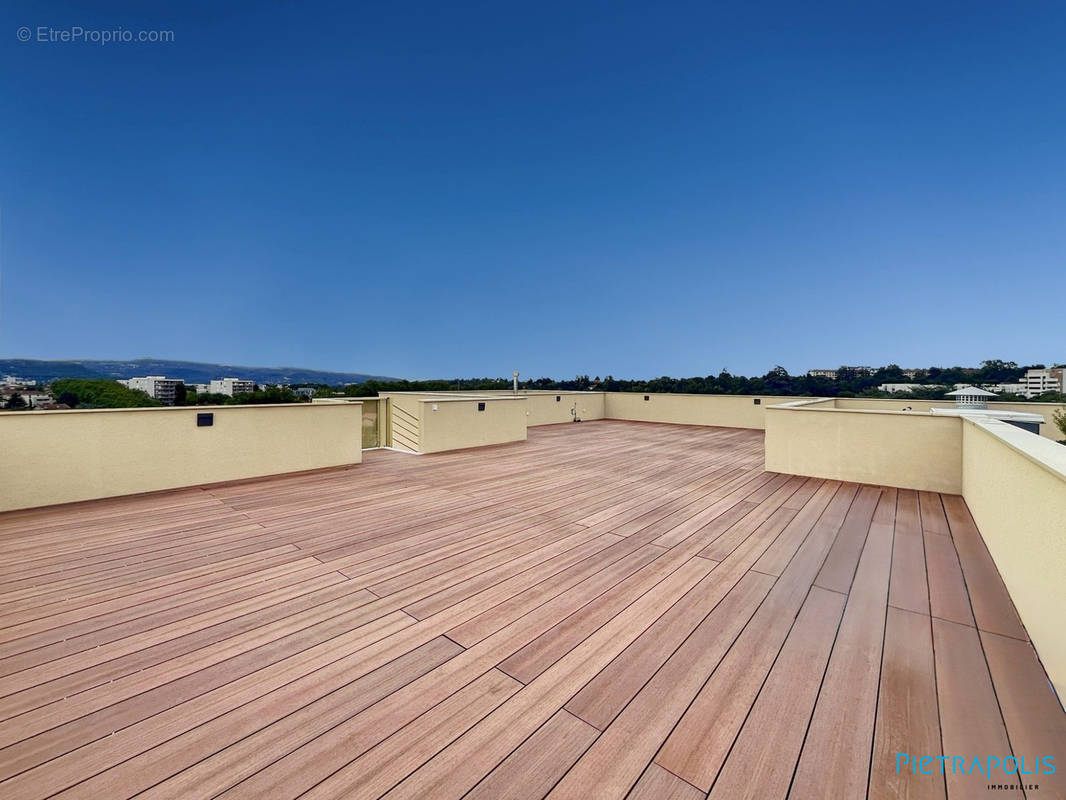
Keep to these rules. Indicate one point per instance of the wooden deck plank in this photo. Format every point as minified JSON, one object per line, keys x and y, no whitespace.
{"x":840,"y":564}
{"x":659,"y":784}
{"x":1035,"y":725}
{"x":92,"y":631}
{"x":907,"y":717}
{"x":212,"y":757}
{"x":539,"y":762}
{"x":699,"y":744}
{"x":601,"y":570}
{"x":992,"y":607}
{"x":836,"y":754}
{"x":375,"y":723}
{"x":461,"y":765}
{"x":600,"y":701}
{"x":199,"y":653}
{"x":620,"y":755}
{"x":932,"y":512}
{"x":761,"y":763}
{"x":547,"y":648}
{"x":388,"y":763}
{"x":70,"y":656}
{"x":971,"y":723}
{"x":78,"y":763}
{"x":948,"y":598}
{"x":909,"y":586}
{"x":777,"y":555}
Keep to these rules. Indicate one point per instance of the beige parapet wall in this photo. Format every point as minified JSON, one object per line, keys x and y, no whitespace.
{"x":432,"y":422}
{"x":730,"y":411}
{"x":373,"y":423}
{"x":542,"y":408}
{"x":893,"y":448}
{"x":456,"y":423}
{"x":725,"y":410}
{"x":741,"y":411}
{"x":1015,"y":486}
{"x":405,"y":422}
{"x":53,"y":457}
{"x":1048,"y":430}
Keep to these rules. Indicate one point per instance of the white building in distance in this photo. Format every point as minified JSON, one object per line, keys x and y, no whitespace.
{"x":893,"y":388}
{"x":156,"y":386}
{"x":232,"y":386}
{"x":1038,"y":381}
{"x":1005,"y":388}
{"x":832,"y":373}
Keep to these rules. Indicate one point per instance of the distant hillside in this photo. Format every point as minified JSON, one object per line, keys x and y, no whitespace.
{"x":189,"y":371}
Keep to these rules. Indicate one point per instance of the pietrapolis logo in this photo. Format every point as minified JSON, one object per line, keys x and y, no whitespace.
{"x":960,"y":765}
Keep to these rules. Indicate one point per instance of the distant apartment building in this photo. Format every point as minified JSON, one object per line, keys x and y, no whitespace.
{"x":232,"y":386}
{"x":832,"y":373}
{"x":894,"y":388}
{"x":200,"y":388}
{"x":31,"y":398}
{"x":1038,"y":381}
{"x":37,"y":399}
{"x":156,"y":386}
{"x":1005,"y":388}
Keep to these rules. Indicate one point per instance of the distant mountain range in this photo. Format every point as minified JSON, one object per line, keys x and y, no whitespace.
{"x":189,"y":371}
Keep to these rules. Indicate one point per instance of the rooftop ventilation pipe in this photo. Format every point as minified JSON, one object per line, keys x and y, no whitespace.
{"x":970,"y":397}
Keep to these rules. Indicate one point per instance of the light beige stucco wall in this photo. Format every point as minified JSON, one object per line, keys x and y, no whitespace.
{"x":1048,"y":430}
{"x":455,"y":424}
{"x":726,"y":410}
{"x":907,"y":450}
{"x":372,"y":422}
{"x":404,"y":422}
{"x":64,"y":456}
{"x":1015,"y":486}
{"x":544,"y":409}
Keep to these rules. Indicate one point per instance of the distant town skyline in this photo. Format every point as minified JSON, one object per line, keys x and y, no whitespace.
{"x":205,"y":372}
{"x":635,"y":189}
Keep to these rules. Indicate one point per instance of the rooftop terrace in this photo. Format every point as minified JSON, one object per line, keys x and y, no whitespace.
{"x":607,"y":609}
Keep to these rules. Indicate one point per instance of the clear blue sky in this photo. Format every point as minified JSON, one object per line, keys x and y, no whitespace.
{"x":633,"y":189}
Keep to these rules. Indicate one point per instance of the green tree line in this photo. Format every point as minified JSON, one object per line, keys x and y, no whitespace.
{"x":934,"y":383}
{"x":98,"y":393}
{"x":105,"y":393}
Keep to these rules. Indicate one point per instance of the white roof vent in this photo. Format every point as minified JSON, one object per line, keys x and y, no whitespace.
{"x":970,"y":397}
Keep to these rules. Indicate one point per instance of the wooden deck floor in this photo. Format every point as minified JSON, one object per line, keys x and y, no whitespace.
{"x":610,"y":609}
